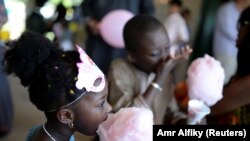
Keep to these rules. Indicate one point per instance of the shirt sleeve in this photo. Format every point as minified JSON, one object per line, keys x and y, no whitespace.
{"x":177,"y":29}
{"x":122,"y":87}
{"x":227,"y":23}
{"x":183,"y":31}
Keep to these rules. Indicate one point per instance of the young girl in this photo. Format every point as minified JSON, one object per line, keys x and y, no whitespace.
{"x":144,"y":78}
{"x":67,"y":86}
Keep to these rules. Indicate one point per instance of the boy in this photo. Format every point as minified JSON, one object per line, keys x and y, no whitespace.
{"x":144,"y":78}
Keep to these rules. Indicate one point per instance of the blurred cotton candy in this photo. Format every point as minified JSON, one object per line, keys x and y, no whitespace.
{"x":205,"y":84}
{"x":205,"y":80}
{"x":197,"y":110}
{"x":128,"y":124}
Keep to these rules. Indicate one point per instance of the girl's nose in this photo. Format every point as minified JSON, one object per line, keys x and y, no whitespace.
{"x":108,"y":107}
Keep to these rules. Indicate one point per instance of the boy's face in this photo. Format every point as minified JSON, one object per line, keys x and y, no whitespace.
{"x":152,"y":48}
{"x":91,"y":110}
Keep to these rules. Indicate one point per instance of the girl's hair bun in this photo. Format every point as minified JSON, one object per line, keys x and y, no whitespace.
{"x":27,"y":54}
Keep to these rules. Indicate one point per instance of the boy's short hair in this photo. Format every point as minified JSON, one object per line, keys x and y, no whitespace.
{"x":137,"y":28}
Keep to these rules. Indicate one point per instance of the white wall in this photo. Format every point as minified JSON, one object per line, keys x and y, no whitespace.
{"x":193,"y":5}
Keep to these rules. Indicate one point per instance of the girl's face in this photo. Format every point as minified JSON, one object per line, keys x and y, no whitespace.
{"x":91,"y":110}
{"x":243,"y":30}
{"x":153,"y":48}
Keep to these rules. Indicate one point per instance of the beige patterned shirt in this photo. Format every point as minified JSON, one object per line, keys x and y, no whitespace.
{"x":127,"y":85}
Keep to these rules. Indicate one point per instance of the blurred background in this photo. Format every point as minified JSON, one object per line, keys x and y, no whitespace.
{"x":201,"y":21}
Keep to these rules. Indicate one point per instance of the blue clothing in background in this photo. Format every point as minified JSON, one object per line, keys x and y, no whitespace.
{"x":6,"y":106}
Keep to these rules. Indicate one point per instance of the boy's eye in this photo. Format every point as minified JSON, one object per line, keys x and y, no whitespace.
{"x":155,"y":53}
{"x":167,"y":49}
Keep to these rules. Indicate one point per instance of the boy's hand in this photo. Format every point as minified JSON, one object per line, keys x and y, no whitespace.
{"x":166,"y":65}
{"x":182,"y":53}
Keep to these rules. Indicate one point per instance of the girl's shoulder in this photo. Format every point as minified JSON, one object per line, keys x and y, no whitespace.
{"x":32,"y":132}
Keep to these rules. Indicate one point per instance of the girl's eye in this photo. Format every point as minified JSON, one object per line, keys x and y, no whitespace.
{"x":102,"y":104}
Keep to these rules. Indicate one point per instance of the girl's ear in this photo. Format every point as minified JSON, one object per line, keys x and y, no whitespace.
{"x":130,"y":57}
{"x":65,"y":116}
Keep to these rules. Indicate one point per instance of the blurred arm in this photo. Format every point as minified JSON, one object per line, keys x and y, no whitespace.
{"x":236,"y":94}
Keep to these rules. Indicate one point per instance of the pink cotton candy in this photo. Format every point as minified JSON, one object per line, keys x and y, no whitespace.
{"x":205,"y":80}
{"x":197,"y":110}
{"x":128,"y":124}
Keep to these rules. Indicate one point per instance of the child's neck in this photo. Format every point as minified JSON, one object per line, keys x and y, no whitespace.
{"x":57,"y":132}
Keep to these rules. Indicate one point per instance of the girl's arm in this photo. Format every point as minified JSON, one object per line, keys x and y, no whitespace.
{"x":236,"y":94}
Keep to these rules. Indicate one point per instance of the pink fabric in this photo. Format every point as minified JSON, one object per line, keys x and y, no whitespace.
{"x":88,"y":72}
{"x":205,"y":80}
{"x":128,"y":124}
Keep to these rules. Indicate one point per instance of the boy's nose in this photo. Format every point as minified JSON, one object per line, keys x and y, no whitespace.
{"x":165,"y":54}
